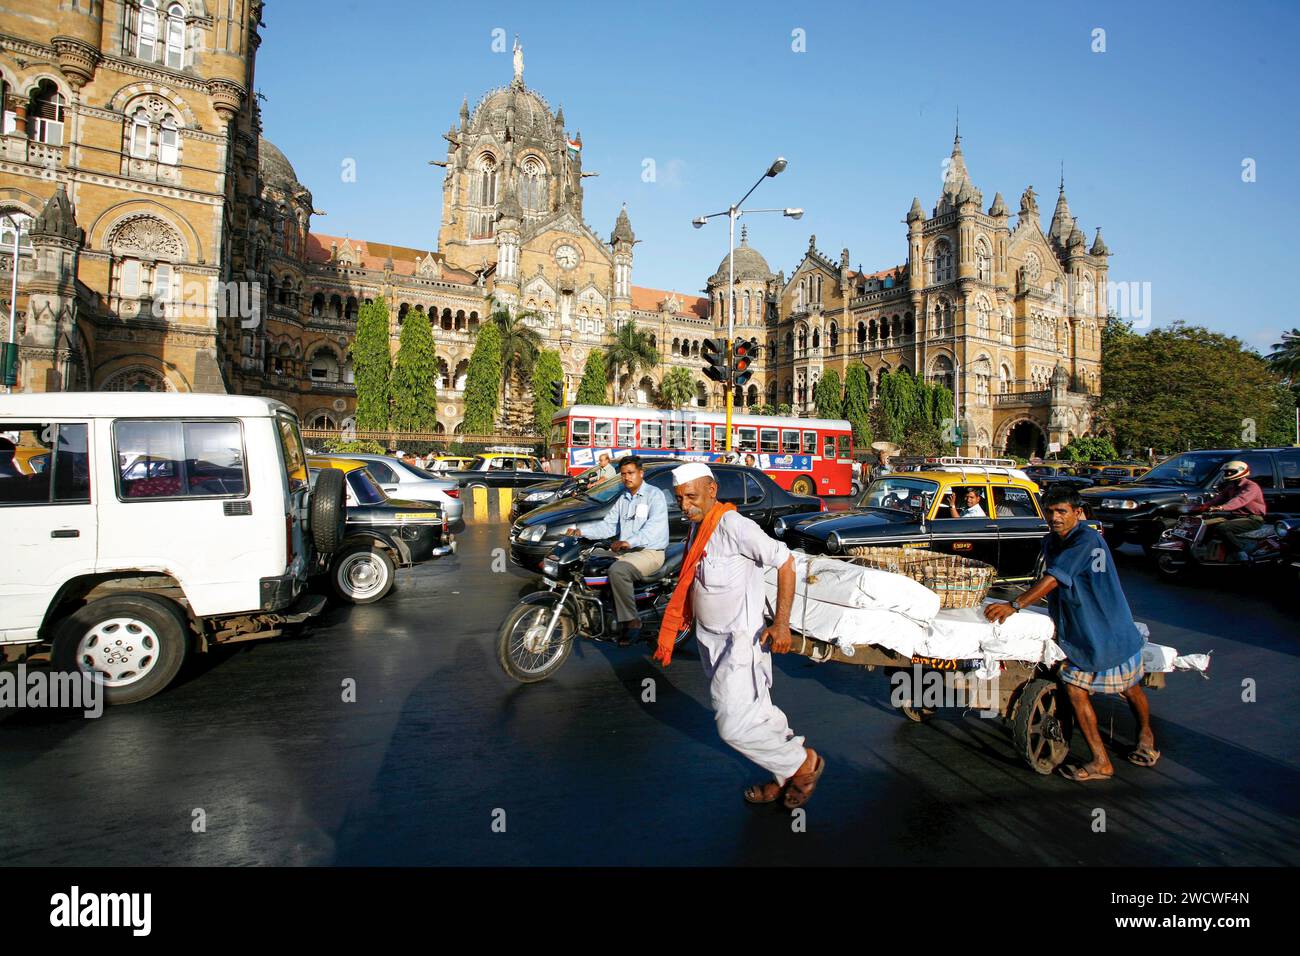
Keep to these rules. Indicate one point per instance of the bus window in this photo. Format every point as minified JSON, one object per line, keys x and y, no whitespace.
{"x":582,"y":431}
{"x":810,"y":443}
{"x":748,"y":439}
{"x":844,"y":447}
{"x":767,"y":441}
{"x":720,"y":437}
{"x":699,"y":438}
{"x":558,"y":434}
{"x":626,"y":434}
{"x":604,"y":432}
{"x":676,"y":435}
{"x":652,"y":435}
{"x":790,"y":440}
{"x":828,"y":446}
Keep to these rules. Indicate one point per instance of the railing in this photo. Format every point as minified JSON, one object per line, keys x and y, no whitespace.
{"x":1022,"y":398}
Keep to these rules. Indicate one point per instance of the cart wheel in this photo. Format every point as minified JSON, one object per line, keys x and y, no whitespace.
{"x":1041,"y":725}
{"x":917,"y":714}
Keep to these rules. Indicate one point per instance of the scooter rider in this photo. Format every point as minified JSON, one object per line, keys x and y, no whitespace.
{"x":1242,"y":501}
{"x":638,"y":521}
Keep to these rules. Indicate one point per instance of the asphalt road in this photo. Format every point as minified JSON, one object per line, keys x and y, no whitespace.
{"x":258,"y":745}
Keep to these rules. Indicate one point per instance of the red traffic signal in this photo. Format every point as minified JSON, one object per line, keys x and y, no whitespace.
{"x":744,"y":354}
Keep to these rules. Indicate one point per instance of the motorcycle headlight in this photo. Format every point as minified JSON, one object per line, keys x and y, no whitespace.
{"x":833,"y":543}
{"x":778,"y":529}
{"x":534,"y":534}
{"x":550,"y":568}
{"x":1123,"y":504}
{"x":1283,"y":528}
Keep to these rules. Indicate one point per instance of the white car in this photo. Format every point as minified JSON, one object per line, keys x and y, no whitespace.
{"x":162,"y":525}
{"x":402,"y":478}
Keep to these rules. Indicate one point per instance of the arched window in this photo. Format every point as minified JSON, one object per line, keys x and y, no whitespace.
{"x":168,"y":142}
{"x":746,"y":313}
{"x":983,"y":260}
{"x":175,"y":36}
{"x":532,"y":184}
{"x":835,"y":337}
{"x":141,"y":135}
{"x":146,"y":35}
{"x":325,"y":366}
{"x":45,"y":114}
{"x":318,"y":304}
{"x":487,"y":195}
{"x":11,"y":219}
{"x":1004,"y":379}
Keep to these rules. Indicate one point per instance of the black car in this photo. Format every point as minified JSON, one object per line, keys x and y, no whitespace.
{"x":545,"y":492}
{"x":910,"y":509}
{"x":1138,"y":511}
{"x":500,"y":471}
{"x":1057,"y":476}
{"x":753,"y":493}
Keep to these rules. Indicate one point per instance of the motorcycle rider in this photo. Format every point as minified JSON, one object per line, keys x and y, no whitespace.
{"x":638,"y":521}
{"x":1243,"y":501}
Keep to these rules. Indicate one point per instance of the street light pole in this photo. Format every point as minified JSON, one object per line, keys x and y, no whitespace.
{"x":13,"y":292}
{"x":733,"y":213}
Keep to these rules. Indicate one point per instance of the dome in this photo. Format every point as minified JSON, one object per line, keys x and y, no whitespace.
{"x":750,"y":263}
{"x":530,"y":109}
{"x":274,"y":167}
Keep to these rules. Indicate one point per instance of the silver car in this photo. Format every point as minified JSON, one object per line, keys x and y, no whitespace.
{"x":402,"y":478}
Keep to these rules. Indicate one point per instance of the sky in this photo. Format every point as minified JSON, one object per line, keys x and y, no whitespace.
{"x":1177,"y":126}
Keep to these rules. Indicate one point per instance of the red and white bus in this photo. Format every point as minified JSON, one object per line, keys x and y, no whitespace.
{"x":804,"y":455}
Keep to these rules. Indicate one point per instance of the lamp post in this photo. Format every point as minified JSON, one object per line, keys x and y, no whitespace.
{"x":10,"y":348}
{"x":733,"y":213}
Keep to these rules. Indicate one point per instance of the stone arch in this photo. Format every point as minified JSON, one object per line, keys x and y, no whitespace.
{"x":1005,"y":430}
{"x":120,"y":364}
{"x":109,"y":221}
{"x":128,"y":94}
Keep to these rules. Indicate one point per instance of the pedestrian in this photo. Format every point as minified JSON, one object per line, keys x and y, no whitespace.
{"x":720,"y":590}
{"x":1242,"y":501}
{"x":638,"y":521}
{"x":1094,"y":627}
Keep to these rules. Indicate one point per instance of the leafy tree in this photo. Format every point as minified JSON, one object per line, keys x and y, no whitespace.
{"x":354,"y":446}
{"x":483,"y":382}
{"x":1090,"y":448}
{"x":857,"y":404}
{"x":630,"y":350}
{"x":827,"y":397}
{"x":591,"y":391}
{"x":414,"y":381}
{"x":677,"y":388}
{"x":896,"y":405}
{"x":372,"y":366}
{"x":520,"y":345}
{"x":546,"y":372}
{"x":784,"y":409}
{"x":1285,"y":360}
{"x":1185,"y":386}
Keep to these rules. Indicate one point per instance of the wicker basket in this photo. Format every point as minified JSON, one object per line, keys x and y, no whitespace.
{"x":959,"y":582}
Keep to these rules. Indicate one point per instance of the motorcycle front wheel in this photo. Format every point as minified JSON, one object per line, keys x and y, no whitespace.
{"x":524,"y":651}
{"x":1170,"y":567}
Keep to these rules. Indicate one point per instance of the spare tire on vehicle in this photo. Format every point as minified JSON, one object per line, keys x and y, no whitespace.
{"x":328,"y":510}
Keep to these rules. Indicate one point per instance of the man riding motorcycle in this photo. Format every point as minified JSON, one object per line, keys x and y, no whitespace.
{"x":1241,"y":501}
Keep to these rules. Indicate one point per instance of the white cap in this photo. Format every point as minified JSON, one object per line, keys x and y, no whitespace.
{"x":690,"y":471}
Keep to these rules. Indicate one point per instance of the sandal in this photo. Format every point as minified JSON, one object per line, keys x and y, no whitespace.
{"x":1082,"y":774}
{"x":801,"y":786}
{"x":760,"y":793}
{"x":1144,"y":756}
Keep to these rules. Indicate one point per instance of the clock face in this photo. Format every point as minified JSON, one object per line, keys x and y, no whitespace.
{"x":566,"y":257}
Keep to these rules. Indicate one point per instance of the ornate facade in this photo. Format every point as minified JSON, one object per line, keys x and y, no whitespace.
{"x":167,"y":245}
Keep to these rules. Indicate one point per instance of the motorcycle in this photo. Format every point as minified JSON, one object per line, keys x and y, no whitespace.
{"x":1188,"y":544}
{"x":536,"y":637}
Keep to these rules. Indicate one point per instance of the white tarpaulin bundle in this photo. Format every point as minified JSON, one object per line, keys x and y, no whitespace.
{"x":849,"y":605}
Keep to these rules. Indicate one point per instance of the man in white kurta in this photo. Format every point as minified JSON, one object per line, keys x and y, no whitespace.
{"x":727,"y":601}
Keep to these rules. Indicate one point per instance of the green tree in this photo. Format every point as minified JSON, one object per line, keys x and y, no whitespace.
{"x":677,"y":388}
{"x":1185,"y":386}
{"x":591,"y":391}
{"x":520,"y":345}
{"x":414,"y":381}
{"x":483,"y":382}
{"x":896,"y":405}
{"x":784,"y":410}
{"x":546,"y":372}
{"x":1285,"y":361}
{"x":372,"y":366}
{"x":1090,"y":448}
{"x":629,"y":350}
{"x":827,"y":395}
{"x":857,"y":404}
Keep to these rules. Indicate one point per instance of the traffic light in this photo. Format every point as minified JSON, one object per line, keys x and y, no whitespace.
{"x":715,"y":355}
{"x":557,"y":394}
{"x":744,"y":353}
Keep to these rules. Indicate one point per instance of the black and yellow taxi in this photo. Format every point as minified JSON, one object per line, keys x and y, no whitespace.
{"x":381,"y":534}
{"x":501,"y":468}
{"x":980,"y":508}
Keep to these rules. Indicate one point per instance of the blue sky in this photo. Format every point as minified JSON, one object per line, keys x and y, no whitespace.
{"x":1152,"y":132}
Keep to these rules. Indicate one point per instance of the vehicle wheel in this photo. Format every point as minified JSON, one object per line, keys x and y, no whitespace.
{"x":917,"y":714}
{"x":1041,"y":725}
{"x":137,"y":642}
{"x":328,"y":510}
{"x":520,"y":650}
{"x":856,"y":489}
{"x":362,"y":574}
{"x":1169,"y":567}
{"x":803,"y":485}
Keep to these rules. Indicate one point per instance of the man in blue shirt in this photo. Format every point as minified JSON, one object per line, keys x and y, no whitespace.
{"x":638,"y":521}
{"x":1094,"y":627}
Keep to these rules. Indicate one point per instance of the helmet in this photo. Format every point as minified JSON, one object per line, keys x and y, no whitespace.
{"x":1235,"y":469}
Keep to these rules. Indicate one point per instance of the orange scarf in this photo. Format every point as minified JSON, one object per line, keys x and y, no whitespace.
{"x":678,"y":615}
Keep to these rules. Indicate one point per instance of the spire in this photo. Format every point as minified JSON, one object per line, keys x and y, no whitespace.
{"x":464,"y":113}
{"x":744,"y":235}
{"x":999,"y":207}
{"x":1099,"y":247}
{"x":623,"y":229}
{"x":509,"y":208}
{"x":957,"y":187}
{"x":57,"y":219}
{"x":916,"y":212}
{"x":1062,"y":221}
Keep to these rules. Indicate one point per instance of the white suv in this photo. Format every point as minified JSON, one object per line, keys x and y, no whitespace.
{"x":142,"y":527}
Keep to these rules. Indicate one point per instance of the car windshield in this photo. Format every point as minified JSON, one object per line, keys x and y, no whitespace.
{"x":1183,"y":470}
{"x":896,"y":493}
{"x":364,"y":487}
{"x":419,"y":472}
{"x":476,"y":464}
{"x":606,"y":490}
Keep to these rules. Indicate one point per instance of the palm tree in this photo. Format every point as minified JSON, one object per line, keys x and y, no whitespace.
{"x":677,"y":388}
{"x":1285,"y":357}
{"x":520,"y":345}
{"x":631,"y":350}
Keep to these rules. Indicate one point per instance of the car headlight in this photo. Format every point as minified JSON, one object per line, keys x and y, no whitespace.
{"x":778,"y":529}
{"x":534,"y":534}
{"x":833,"y":543}
{"x":1123,"y":504}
